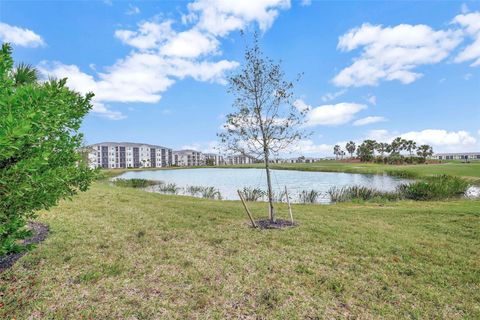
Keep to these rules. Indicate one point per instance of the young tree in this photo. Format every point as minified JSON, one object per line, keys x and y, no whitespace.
{"x":424,"y":151}
{"x":265,"y":120}
{"x":336,"y":151}
{"x":40,"y":160}
{"x":350,"y":146}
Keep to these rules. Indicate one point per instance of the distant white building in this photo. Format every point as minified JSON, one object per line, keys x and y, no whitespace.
{"x":465,"y":156}
{"x":188,"y":158}
{"x":128,"y":155}
{"x":213,"y":159}
{"x":239,"y":159}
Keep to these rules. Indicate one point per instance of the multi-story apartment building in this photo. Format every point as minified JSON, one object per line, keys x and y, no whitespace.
{"x":188,"y":158}
{"x":128,"y":155}
{"x":465,"y":156}
{"x":239,"y":159}
{"x":213,"y":159}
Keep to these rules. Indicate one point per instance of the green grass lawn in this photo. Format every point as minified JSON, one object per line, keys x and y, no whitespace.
{"x":121,"y":253}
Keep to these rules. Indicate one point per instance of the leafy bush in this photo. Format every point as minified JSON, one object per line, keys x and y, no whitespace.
{"x":194,"y":190}
{"x":434,"y":188}
{"x":352,"y":193}
{"x":253,"y":194}
{"x":308,"y":196}
{"x":40,"y":158}
{"x":211,"y":193}
{"x":402,"y":174}
{"x":168,"y":188}
{"x":135,"y":183}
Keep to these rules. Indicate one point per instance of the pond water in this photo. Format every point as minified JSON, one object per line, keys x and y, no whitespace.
{"x":228,"y":181}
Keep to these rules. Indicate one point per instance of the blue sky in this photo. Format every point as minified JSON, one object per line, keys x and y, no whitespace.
{"x":371,"y":69}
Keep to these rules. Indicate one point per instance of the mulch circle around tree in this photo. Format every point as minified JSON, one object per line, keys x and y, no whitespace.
{"x":278,"y":224}
{"x":39,"y":233}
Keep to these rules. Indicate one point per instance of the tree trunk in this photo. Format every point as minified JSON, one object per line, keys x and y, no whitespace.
{"x":270,"y":194}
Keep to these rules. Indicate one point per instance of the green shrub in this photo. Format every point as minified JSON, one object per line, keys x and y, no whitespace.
{"x":402,"y":174}
{"x":352,"y":193}
{"x":168,"y":188}
{"x":211,"y":193}
{"x":194,"y":190}
{"x":40,"y":160}
{"x":135,"y":183}
{"x":253,"y":194}
{"x":434,"y":188}
{"x":308,"y":196}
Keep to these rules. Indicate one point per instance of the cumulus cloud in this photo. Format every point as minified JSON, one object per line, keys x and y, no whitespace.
{"x":470,"y":22}
{"x":369,"y":120}
{"x":309,"y":147}
{"x":149,"y":35}
{"x":393,"y":53}
{"x":441,"y":140}
{"x":219,"y":17}
{"x":20,"y":36}
{"x":162,"y":55}
{"x":330,"y":114}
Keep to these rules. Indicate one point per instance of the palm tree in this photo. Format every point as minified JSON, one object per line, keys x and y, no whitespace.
{"x":424,"y":151}
{"x":25,"y":74}
{"x":336,"y":151}
{"x":350,"y":146}
{"x":396,"y":146}
{"x":410,"y":146}
{"x":382,"y":147}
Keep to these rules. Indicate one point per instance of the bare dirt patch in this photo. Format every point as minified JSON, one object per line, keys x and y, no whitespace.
{"x":278,"y":224}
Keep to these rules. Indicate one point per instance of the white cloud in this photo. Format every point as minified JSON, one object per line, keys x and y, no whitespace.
{"x":219,"y":17}
{"x":333,"y":95}
{"x":470,"y":22}
{"x":100,"y":109}
{"x":149,"y":35}
{"x":369,"y":120}
{"x":333,"y":114}
{"x":206,"y":147}
{"x":393,"y":53}
{"x":309,"y":147}
{"x":190,"y":44}
{"x":162,"y":55}
{"x":441,"y":140}
{"x":19,"y":36}
{"x":132,"y":10}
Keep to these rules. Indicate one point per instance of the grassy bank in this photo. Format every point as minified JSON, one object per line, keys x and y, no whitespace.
{"x":123,"y":253}
{"x":470,"y":171}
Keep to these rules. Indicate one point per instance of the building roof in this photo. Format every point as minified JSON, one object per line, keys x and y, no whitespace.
{"x":128,"y":144}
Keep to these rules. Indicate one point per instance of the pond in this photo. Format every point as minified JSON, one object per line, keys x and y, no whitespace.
{"x":228,"y":181}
